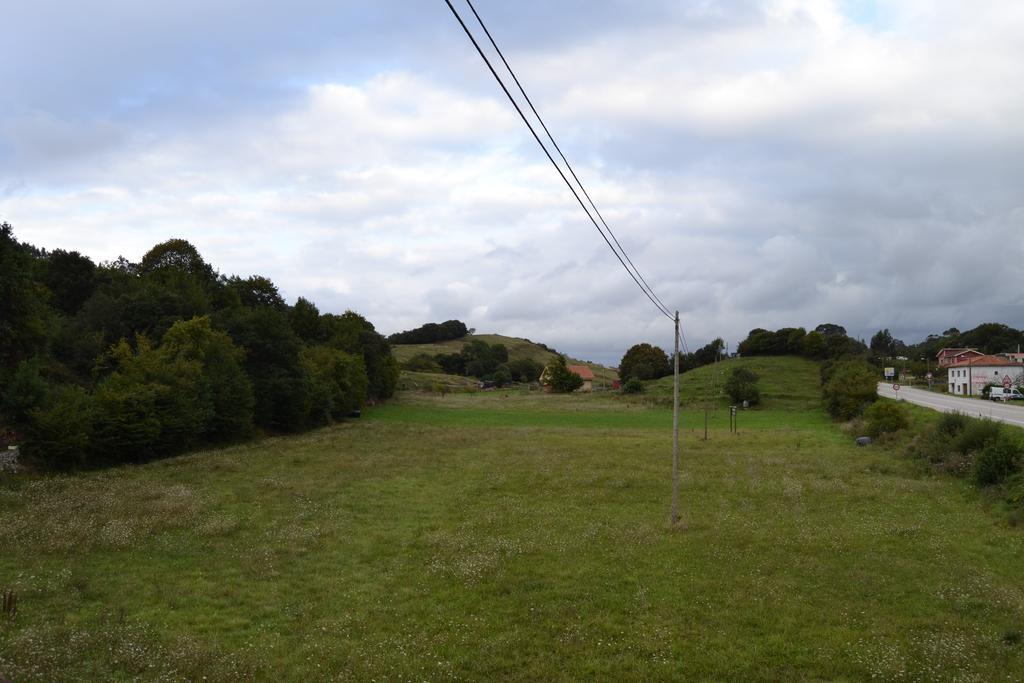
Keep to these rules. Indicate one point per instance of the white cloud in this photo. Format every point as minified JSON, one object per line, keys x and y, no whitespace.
{"x":779,"y":165}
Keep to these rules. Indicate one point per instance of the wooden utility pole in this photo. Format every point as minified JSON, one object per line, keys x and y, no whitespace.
{"x":675,"y":430}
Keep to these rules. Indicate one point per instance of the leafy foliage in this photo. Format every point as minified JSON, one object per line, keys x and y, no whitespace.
{"x":632,"y":386}
{"x":431,"y":333}
{"x":884,"y":417}
{"x":741,"y":386}
{"x":559,"y":378}
{"x":850,"y":389}
{"x":123,"y":362}
{"x":644,"y":361}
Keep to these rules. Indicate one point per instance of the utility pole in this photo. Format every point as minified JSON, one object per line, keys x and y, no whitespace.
{"x":675,"y":429}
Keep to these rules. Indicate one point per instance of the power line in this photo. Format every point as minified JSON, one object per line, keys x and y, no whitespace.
{"x":649,"y":294}
{"x":540,"y":119}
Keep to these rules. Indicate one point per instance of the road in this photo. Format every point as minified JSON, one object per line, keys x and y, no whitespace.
{"x":995,"y":410}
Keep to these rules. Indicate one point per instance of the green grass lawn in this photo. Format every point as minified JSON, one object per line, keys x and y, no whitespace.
{"x":513,"y":535}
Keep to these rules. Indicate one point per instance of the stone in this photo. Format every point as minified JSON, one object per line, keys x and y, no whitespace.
{"x":9,"y":459}
{"x":863,"y":440}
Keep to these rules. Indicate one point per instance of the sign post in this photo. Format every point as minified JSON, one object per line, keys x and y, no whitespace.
{"x":896,"y":388}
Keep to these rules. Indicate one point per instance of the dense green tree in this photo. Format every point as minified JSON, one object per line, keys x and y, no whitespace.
{"x":176,"y":255}
{"x":224,"y":389}
{"x":559,"y":378}
{"x":256,"y":292}
{"x":850,"y":389}
{"x":741,"y":385}
{"x":272,"y":363}
{"x":304,"y":317}
{"x":525,"y":370}
{"x":644,"y":361}
{"x":25,"y":391}
{"x":150,"y":406}
{"x":71,"y":279}
{"x":23,"y":314}
{"x":338,"y":382}
{"x":59,"y":434}
{"x":431,"y":333}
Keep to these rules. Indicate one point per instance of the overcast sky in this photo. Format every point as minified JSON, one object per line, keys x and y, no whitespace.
{"x":765,"y":164}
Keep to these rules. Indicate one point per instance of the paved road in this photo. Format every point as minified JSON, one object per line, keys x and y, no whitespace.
{"x":1009,"y":413}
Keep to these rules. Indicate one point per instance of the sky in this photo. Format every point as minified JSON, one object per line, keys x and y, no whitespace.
{"x":766,"y":163}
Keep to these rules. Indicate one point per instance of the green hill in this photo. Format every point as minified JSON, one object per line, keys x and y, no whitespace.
{"x":517,"y":348}
{"x":786,"y":383}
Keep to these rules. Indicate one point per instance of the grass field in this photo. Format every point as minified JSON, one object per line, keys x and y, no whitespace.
{"x":516,"y":536}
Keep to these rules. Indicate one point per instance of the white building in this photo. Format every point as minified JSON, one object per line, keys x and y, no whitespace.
{"x":969,"y":376}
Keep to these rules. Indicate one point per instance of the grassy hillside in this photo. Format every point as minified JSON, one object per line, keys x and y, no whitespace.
{"x":512,"y":536}
{"x":517,"y":348}
{"x":786,"y":383}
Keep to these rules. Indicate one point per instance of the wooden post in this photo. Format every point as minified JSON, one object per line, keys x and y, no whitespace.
{"x":675,"y":428}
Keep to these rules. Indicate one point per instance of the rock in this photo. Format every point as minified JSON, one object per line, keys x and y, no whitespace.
{"x":863,"y":440}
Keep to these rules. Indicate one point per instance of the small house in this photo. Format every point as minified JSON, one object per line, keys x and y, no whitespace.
{"x":585,"y":373}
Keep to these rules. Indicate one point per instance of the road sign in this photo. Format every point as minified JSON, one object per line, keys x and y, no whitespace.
{"x":890,"y":372}
{"x":895,"y":387}
{"x":929,"y":375}
{"x":1007,"y":381}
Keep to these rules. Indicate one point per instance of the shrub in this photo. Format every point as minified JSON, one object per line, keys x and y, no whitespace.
{"x":58,"y":436}
{"x":633,"y":386}
{"x":422,"y":362}
{"x":885,"y":417}
{"x":850,"y":389}
{"x":560,"y":378}
{"x":996,"y":461}
{"x":951,"y":424}
{"x":976,"y":435}
{"x":26,"y":390}
{"x":742,"y":386}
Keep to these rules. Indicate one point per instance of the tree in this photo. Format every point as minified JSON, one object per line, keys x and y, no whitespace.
{"x":741,"y":385}
{"x":305,"y":320}
{"x":22,"y":312}
{"x":560,"y":378}
{"x":224,"y":389}
{"x":644,"y":361}
{"x":882,"y":344}
{"x":71,"y":278}
{"x":59,"y":435}
{"x":256,"y":292}
{"x":337,"y":380}
{"x":179,"y":255}
{"x":851,"y":388}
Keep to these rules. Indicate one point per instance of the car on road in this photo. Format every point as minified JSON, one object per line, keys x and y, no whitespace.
{"x":1001,"y":394}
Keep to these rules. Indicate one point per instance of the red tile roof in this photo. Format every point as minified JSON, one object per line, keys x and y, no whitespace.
{"x":982,"y":361}
{"x":582,"y":370}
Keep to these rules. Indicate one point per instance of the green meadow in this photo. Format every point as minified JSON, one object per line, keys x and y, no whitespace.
{"x":515,"y":535}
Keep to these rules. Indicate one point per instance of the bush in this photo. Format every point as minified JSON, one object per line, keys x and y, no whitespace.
{"x":851,"y":388}
{"x":560,"y":379}
{"x":951,"y":424}
{"x":742,"y":386}
{"x":58,"y":436}
{"x":422,"y":362}
{"x":633,"y":386}
{"x":996,"y":461}
{"x":976,"y":435}
{"x":26,"y":390}
{"x":885,"y":417}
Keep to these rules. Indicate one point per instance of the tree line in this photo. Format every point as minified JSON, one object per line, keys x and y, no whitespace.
{"x":431,"y":333}
{"x":486,"y":362}
{"x":123,"y":362}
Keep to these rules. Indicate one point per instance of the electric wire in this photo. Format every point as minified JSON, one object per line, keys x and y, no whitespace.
{"x":586,"y":194}
{"x":663,"y":310}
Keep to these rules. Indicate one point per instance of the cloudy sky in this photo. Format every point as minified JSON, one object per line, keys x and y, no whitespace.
{"x":765,"y":163}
